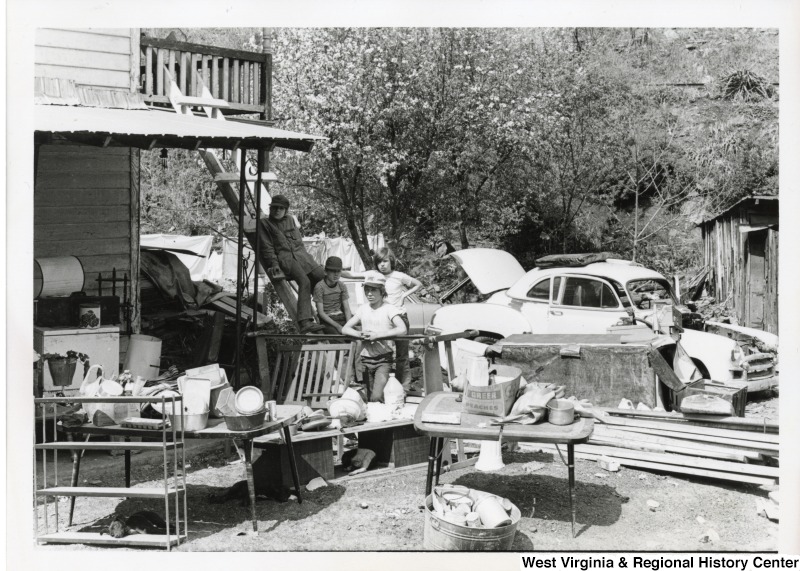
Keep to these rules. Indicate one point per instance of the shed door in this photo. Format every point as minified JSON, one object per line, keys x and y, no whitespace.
{"x":756,"y":278}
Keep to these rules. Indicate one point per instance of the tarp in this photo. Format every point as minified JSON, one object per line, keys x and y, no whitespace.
{"x":200,"y":245}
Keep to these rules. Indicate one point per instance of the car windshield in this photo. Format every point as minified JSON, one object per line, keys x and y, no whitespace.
{"x":643,"y":293}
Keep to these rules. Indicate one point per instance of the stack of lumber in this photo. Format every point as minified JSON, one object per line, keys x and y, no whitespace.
{"x":726,"y":448}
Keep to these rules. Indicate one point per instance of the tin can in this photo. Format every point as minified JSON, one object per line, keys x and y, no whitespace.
{"x":272,"y":410}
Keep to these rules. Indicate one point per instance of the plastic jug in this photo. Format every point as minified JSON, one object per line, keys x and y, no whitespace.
{"x":393,"y":393}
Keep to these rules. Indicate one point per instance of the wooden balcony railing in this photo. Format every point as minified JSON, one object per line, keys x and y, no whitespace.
{"x":242,"y":78}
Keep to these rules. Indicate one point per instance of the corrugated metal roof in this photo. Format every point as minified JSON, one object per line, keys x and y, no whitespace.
{"x":156,"y":128}
{"x":767,"y":198}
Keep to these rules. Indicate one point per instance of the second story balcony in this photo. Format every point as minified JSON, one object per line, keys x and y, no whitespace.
{"x":242,"y":78}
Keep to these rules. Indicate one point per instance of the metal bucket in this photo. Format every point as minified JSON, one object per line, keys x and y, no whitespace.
{"x":442,"y":535}
{"x":58,"y":276}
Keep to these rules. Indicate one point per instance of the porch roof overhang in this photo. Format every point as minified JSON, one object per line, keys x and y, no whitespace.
{"x":156,"y":128}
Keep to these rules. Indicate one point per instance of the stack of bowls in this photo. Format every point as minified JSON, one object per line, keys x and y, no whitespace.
{"x":250,"y":410}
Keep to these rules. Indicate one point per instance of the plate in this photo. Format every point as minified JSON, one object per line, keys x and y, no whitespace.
{"x":248,"y":400}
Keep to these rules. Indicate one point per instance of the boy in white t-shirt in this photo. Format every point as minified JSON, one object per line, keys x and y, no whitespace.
{"x":379,"y":322}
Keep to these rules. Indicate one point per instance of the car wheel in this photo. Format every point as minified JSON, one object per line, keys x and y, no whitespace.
{"x":702,"y":368}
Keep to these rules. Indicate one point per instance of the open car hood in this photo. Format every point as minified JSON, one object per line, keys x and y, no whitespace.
{"x":490,"y":270}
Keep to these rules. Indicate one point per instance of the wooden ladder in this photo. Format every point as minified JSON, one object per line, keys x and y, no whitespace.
{"x":228,"y":181}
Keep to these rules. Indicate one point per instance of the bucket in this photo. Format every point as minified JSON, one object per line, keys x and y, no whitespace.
{"x":442,"y":535}
{"x":143,"y":357}
{"x":58,"y":276}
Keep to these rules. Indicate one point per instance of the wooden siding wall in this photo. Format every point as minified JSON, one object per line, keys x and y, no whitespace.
{"x":83,"y":207}
{"x":107,"y":58}
{"x":725,"y":251}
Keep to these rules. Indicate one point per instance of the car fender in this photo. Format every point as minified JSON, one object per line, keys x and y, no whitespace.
{"x":488,"y":318}
{"x":714,"y":351}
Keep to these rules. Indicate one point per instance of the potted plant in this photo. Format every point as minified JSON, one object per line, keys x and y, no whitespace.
{"x":62,"y":367}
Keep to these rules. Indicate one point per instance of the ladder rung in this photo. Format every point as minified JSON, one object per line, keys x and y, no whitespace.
{"x":108,"y":445}
{"x":234,"y":177}
{"x":103,"y":492}
{"x":200,"y":102}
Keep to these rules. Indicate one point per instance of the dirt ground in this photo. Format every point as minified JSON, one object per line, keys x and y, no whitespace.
{"x":377,"y":512}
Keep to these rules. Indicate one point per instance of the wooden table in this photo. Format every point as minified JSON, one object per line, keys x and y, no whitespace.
{"x":477,"y":427}
{"x":216,"y":429}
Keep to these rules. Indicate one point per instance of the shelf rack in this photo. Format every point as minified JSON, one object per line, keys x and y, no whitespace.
{"x":174,"y":488}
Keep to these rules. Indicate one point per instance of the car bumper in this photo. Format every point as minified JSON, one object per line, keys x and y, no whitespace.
{"x":762,"y":384}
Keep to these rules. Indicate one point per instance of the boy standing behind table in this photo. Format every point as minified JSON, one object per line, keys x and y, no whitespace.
{"x":332,"y":299}
{"x":380,"y":321}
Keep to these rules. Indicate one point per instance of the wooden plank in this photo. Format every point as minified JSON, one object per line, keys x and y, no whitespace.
{"x":68,"y":182}
{"x":202,"y":49}
{"x":86,"y":76}
{"x":680,"y":460}
{"x":721,"y":432}
{"x":235,"y":87}
{"x":71,"y":58}
{"x":158,"y":88}
{"x":225,"y":78}
{"x":701,"y":447}
{"x":661,"y":467}
{"x":661,"y":448}
{"x":185,"y":62}
{"x":89,"y":197}
{"x":121,"y":32}
{"x":215,"y":87}
{"x":80,"y":231}
{"x":732,"y":442}
{"x":732,"y":422}
{"x":80,"y":40}
{"x":44,"y":215}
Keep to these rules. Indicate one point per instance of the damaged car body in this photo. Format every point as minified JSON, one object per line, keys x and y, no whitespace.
{"x":588,"y":294}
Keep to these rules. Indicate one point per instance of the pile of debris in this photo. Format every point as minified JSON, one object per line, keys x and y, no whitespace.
{"x":725,"y":448}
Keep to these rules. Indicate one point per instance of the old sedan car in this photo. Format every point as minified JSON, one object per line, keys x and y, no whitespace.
{"x":576,"y":294}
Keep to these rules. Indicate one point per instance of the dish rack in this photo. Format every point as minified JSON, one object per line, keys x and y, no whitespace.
{"x":173,"y":492}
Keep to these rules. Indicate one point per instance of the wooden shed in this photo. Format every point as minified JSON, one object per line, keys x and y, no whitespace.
{"x":741,"y":249}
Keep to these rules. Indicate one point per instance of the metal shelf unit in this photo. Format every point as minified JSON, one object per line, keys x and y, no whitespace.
{"x":174,"y":480}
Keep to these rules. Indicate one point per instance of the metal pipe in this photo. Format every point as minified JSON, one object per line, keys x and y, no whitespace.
{"x":257,"y":249}
{"x":242,"y":188}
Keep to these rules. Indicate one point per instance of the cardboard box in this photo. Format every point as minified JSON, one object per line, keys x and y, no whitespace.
{"x":496,"y":399}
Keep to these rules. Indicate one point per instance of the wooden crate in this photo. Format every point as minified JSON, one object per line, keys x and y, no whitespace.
{"x":314,"y":458}
{"x":397,"y":446}
{"x":736,"y":394}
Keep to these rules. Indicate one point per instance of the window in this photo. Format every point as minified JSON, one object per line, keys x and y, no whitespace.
{"x":644,"y":292}
{"x":540,"y":291}
{"x":585,"y":292}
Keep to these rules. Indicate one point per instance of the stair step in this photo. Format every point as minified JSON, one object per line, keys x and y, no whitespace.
{"x":200,"y":101}
{"x":108,"y":445}
{"x":105,"y":492}
{"x":234,"y":177}
{"x":137,"y":540}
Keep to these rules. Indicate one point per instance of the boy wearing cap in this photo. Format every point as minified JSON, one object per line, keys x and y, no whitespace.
{"x":284,"y":250}
{"x":379,"y":322}
{"x":331,"y":297}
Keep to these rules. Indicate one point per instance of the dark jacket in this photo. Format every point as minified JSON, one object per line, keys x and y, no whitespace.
{"x":284,"y":242}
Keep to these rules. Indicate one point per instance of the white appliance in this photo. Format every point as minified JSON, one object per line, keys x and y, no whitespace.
{"x":100,"y":344}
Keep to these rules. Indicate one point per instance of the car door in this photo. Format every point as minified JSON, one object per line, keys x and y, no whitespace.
{"x":535,"y":303}
{"x":583,"y":304}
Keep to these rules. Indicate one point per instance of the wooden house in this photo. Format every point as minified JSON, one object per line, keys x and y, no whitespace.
{"x":741,"y":248}
{"x":104,"y":95}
